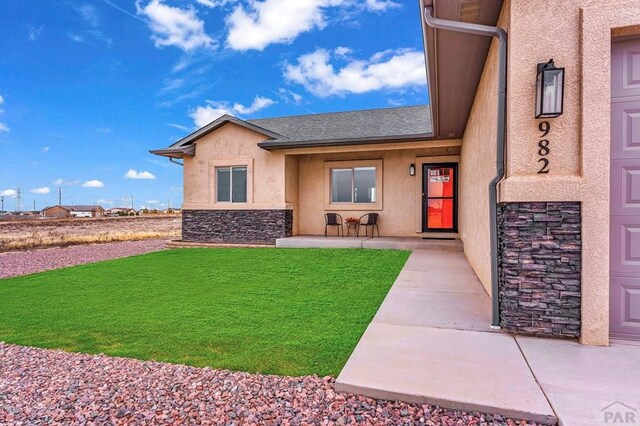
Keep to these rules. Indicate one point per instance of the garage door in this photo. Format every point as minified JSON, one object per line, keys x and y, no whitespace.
{"x":625,"y":190}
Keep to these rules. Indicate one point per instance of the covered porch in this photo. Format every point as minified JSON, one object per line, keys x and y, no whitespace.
{"x":412,"y":187}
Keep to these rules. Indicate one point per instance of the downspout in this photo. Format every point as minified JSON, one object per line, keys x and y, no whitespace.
{"x":501,"y":35}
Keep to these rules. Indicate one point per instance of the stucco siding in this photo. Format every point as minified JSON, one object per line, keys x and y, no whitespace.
{"x":291,"y":179}
{"x":233,"y":145}
{"x":478,"y":165}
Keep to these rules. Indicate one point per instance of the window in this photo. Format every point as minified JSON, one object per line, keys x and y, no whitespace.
{"x":353,"y":185}
{"x":231,"y":184}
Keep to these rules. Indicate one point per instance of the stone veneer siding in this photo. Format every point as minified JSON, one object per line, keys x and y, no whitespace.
{"x":236,"y":226}
{"x":539,"y":255}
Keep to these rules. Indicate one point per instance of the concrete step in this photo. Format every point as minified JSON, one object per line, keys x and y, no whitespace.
{"x":392,"y":243}
{"x":413,"y":244}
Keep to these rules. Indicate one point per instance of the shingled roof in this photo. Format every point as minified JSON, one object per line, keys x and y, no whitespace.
{"x":328,"y":129}
{"x":372,"y":124}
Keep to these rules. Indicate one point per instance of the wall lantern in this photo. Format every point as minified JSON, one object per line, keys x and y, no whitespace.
{"x":549,"y":90}
{"x":412,"y":170}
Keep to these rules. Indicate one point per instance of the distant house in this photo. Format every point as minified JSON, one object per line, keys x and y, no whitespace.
{"x":59,"y":211}
{"x":119,"y":211}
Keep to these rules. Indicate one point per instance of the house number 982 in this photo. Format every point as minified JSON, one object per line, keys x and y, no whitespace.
{"x":543,"y":145}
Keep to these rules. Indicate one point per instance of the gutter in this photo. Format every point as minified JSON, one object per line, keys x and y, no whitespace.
{"x":501,"y":35}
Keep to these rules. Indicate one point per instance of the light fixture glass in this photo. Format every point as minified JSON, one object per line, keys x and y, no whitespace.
{"x":412,"y":170}
{"x":549,"y":90}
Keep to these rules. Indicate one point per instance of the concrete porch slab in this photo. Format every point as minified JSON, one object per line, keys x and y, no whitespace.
{"x":462,"y":370}
{"x":317,"y":241}
{"x":586,"y":383}
{"x":397,"y":243}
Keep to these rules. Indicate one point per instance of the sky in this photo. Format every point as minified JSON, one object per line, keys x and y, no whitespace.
{"x":88,"y":87}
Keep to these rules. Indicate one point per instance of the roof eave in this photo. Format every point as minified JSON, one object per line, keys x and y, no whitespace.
{"x":175,"y":152}
{"x":277,"y":144}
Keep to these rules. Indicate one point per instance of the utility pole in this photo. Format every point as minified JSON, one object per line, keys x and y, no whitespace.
{"x":59,"y":195}
{"x":19,"y":200}
{"x":34,"y":206}
{"x":131,"y":200}
{"x":2,"y":202}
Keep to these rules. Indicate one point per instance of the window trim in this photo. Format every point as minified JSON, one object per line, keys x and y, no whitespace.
{"x":353,"y":184}
{"x":212,"y":185}
{"x":230,"y":168}
{"x":351,"y":164}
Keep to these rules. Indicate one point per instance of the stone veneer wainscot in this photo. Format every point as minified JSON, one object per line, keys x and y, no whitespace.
{"x":236,"y":226}
{"x":540,"y":268}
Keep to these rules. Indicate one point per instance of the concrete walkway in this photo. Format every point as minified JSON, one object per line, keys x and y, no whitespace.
{"x":430,"y":342}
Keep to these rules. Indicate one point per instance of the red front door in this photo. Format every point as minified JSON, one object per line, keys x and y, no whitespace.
{"x":439,"y":194}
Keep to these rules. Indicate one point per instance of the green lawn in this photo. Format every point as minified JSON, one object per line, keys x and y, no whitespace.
{"x":277,"y":311}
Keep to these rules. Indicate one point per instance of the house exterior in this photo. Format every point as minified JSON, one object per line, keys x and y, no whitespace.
{"x":119,"y":211}
{"x":559,"y":248}
{"x":60,"y":211}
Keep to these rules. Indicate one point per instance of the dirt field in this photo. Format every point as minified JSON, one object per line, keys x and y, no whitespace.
{"x":24,"y":235}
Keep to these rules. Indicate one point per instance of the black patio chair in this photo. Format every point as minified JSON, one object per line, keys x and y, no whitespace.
{"x":333,"y":219}
{"x":371,"y":221}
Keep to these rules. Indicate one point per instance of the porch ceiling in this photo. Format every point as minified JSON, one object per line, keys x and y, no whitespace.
{"x":455,"y":61}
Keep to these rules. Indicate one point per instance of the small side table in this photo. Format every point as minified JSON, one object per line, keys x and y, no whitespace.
{"x":352,"y":226}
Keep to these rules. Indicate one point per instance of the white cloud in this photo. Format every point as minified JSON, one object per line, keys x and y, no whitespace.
{"x":173,"y":26}
{"x":258,"y":103}
{"x":179,"y":127}
{"x":266,"y":22}
{"x":381,"y":5}
{"x":289,"y":96}
{"x":204,"y":115}
{"x":105,"y":202}
{"x":134,"y":174}
{"x":4,"y":128}
{"x":11,"y":193}
{"x":89,"y":14}
{"x":274,"y":21}
{"x":45,"y":149}
{"x":34,"y":32}
{"x":343,"y":51}
{"x":153,"y":202}
{"x":75,"y":37}
{"x":43,"y":190}
{"x":215,"y":3}
{"x":60,"y":181}
{"x":93,"y":184}
{"x":388,"y":69}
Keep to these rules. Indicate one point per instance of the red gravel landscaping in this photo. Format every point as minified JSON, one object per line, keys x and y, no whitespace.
{"x":29,"y":262}
{"x":39,"y":386}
